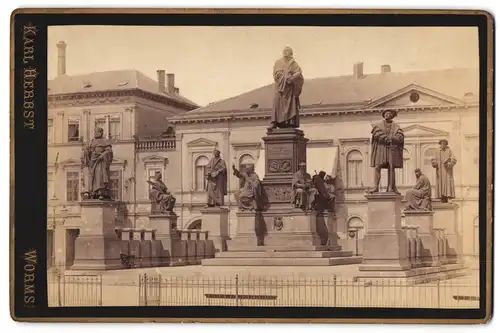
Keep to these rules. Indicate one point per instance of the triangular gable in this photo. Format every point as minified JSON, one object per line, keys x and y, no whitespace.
{"x":202,"y":142}
{"x":423,"y":131}
{"x":155,"y":159}
{"x":71,"y":162}
{"x":425,"y":97}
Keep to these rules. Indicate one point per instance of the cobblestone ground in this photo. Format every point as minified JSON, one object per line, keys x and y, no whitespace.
{"x":261,"y":286}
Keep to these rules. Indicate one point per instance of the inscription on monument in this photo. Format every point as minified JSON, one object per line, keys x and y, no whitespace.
{"x":279,"y":151}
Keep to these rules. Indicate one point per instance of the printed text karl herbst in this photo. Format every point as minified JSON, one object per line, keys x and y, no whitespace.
{"x":29,"y":75}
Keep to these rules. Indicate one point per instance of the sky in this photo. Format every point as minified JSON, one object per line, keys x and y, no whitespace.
{"x":214,"y":63}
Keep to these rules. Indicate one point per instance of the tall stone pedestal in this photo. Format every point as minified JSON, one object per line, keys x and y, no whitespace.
{"x":429,"y":251}
{"x":282,"y":235}
{"x":166,"y":233}
{"x":215,"y":220}
{"x":97,"y":247}
{"x":445,"y":216}
{"x":385,"y":245}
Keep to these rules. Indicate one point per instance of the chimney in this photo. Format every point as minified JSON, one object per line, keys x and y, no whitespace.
{"x":385,"y":69}
{"x":170,"y":83}
{"x":61,"y":58}
{"x":161,"y":80}
{"x":176,"y":90}
{"x":357,"y":70}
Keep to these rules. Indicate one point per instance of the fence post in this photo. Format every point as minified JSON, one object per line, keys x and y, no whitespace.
{"x":58,"y":278}
{"x":100,"y":290}
{"x":335,"y":290}
{"x":439,"y":293}
{"x":145,"y":290}
{"x":237,"y":301}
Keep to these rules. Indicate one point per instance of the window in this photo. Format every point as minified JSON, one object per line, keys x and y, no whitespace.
{"x":200,"y":169}
{"x":152,"y":172}
{"x":101,"y":122}
{"x":73,"y":129}
{"x":115,"y":184}
{"x":427,"y":168}
{"x":72,"y":186}
{"x":246,"y":159}
{"x":50,"y":186}
{"x":114,"y":128}
{"x":403,"y":176}
{"x":354,"y":169}
{"x":50,"y":131}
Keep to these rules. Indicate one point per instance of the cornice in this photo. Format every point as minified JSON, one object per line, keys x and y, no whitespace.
{"x":312,"y":111}
{"x":112,"y":97}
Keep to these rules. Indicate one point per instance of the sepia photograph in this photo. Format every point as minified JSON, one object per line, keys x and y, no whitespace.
{"x":263,"y":166}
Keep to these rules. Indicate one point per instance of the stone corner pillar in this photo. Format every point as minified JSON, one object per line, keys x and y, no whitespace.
{"x":97,"y":247}
{"x":164,"y":229}
{"x":385,"y":244}
{"x":445,"y":216}
{"x":215,"y":220}
{"x":429,"y":248}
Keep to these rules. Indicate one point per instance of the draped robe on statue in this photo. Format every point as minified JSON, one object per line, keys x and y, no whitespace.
{"x":98,"y":157}
{"x":159,"y":194}
{"x":216,"y":181}
{"x":419,"y":198}
{"x":444,"y":161}
{"x":286,"y":102}
{"x":251,"y":195}
{"x":303,"y":193}
{"x":381,"y":150}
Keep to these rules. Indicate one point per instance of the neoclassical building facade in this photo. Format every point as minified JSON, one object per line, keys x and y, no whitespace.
{"x":337,"y":116}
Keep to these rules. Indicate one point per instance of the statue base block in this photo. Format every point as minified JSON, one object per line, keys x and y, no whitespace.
{"x":97,"y":253}
{"x":279,"y":238}
{"x":97,"y":247}
{"x":429,"y":255}
{"x":215,"y":220}
{"x":445,"y":216}
{"x":385,"y":244}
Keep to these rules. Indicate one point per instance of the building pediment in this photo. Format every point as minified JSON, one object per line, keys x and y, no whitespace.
{"x":70,"y":162}
{"x":202,"y":142}
{"x":414,"y":95}
{"x":423,"y":131}
{"x":155,"y":159}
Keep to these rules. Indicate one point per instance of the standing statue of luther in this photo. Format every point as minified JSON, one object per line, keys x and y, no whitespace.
{"x":288,"y":82}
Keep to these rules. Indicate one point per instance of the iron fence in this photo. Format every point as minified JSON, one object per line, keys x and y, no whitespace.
{"x":304,"y":292}
{"x":74,"y":290}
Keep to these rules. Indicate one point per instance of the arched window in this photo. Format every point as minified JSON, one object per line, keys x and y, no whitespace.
{"x":427,"y":168}
{"x":200,"y":181}
{"x":404,"y":175}
{"x":246,"y":159}
{"x":356,"y":225}
{"x":354,"y":169}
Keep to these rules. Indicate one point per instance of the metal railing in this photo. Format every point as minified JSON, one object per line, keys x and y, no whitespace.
{"x":304,"y":292}
{"x":74,"y":290}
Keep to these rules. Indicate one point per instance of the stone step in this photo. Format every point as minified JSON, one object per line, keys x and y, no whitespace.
{"x":281,"y":261}
{"x":282,"y":248}
{"x":283,"y":254}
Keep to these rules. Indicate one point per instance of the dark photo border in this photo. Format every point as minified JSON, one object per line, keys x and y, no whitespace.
{"x":28,"y":220}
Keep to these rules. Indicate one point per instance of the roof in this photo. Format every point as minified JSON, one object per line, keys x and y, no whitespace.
{"x":110,"y":80}
{"x":341,"y":90}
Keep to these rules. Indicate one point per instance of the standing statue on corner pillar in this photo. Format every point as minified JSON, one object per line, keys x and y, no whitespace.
{"x":443,"y":162}
{"x":216,"y":174}
{"x":288,"y":82}
{"x":387,"y":150}
{"x":97,"y":156}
